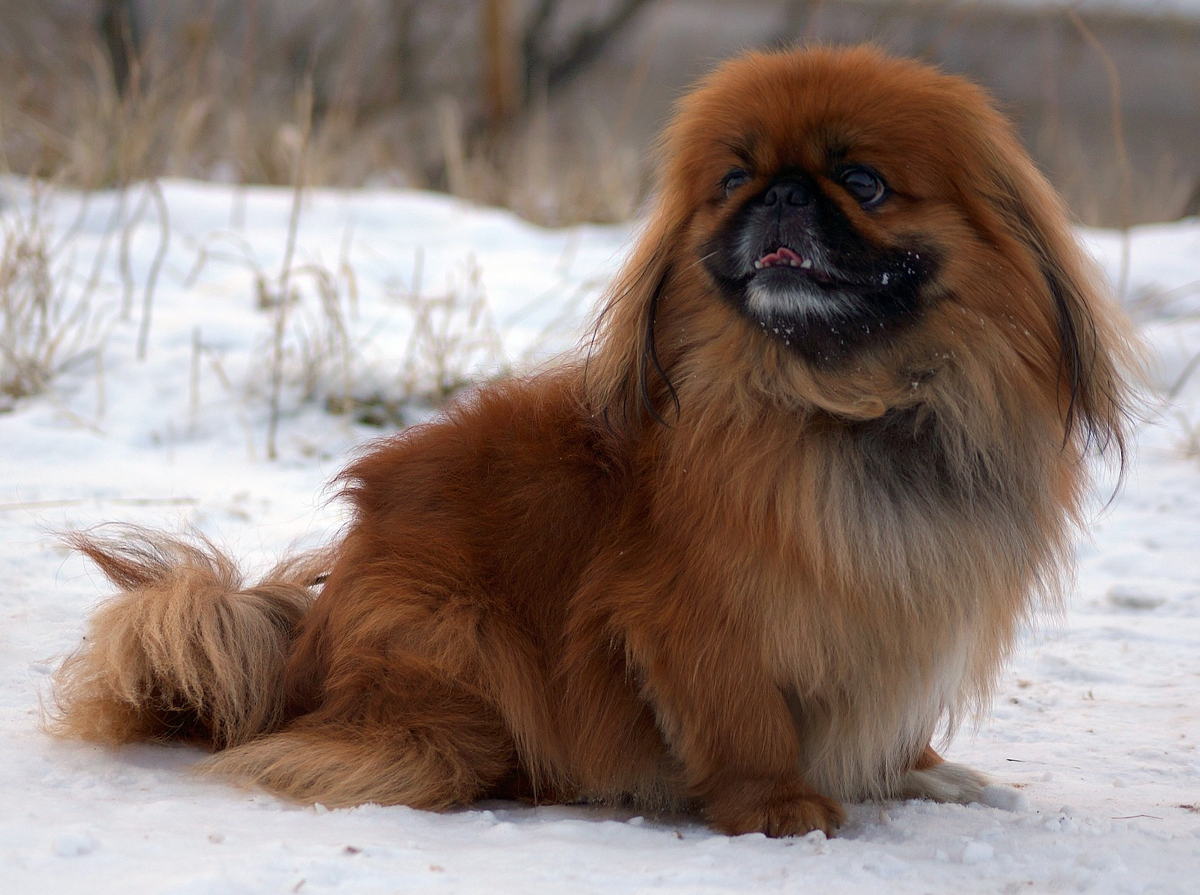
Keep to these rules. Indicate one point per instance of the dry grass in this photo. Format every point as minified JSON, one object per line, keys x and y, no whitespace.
{"x":400,"y":98}
{"x":453,"y":335}
{"x":317,"y":360}
{"x":43,"y":329}
{"x":316,"y":341}
{"x":193,"y":109}
{"x":1188,"y":441}
{"x":453,"y":344}
{"x":311,"y":336}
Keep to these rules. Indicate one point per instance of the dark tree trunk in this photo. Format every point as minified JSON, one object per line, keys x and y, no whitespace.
{"x":117,"y":23}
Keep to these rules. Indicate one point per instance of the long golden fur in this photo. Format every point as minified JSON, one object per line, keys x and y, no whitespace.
{"x":782,"y":523}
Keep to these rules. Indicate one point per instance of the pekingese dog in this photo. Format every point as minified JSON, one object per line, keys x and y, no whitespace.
{"x":776,"y":530}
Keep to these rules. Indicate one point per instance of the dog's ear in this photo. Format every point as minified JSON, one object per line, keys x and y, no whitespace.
{"x":626,"y":381}
{"x":1097,"y":357}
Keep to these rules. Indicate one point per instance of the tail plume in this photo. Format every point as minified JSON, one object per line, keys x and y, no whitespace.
{"x":184,"y":650}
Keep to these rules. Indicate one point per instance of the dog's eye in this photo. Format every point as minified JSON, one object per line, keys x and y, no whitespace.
{"x":735,"y":178}
{"x":864,"y":185}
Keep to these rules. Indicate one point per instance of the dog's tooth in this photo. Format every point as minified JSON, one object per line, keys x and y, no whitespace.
{"x":758,"y":265}
{"x":806,"y":264}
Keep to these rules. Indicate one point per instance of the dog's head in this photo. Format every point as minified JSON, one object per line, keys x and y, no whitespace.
{"x":824,"y":220}
{"x":870,"y":229}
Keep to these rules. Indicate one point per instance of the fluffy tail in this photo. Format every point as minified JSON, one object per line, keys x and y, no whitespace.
{"x":184,"y":651}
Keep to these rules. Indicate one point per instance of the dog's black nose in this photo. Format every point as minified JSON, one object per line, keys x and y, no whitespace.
{"x":788,"y":192}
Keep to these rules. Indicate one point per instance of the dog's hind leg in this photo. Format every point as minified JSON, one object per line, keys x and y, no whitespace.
{"x":425,"y":742}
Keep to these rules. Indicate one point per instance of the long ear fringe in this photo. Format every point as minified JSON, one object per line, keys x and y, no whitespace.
{"x":624,"y":358}
{"x":1099,"y":359}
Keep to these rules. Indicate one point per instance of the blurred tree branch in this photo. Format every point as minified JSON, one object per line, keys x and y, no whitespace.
{"x":547,"y":67}
{"x":117,"y":22}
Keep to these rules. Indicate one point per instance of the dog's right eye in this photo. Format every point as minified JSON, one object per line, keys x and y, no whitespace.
{"x":735,"y":178}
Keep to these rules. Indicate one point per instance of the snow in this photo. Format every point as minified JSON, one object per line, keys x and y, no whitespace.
{"x":1093,"y":735}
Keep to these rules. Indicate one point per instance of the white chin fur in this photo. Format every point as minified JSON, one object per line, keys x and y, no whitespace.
{"x":945,"y":782}
{"x":791,"y":302}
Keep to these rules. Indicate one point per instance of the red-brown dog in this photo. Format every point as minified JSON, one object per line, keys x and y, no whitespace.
{"x":781,"y":523}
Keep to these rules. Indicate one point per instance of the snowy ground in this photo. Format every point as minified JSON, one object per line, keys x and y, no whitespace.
{"x":1097,"y":721}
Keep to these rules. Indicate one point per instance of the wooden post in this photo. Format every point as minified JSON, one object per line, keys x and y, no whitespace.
{"x":500,"y":68}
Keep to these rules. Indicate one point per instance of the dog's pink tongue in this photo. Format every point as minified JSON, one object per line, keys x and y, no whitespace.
{"x":782,"y":255}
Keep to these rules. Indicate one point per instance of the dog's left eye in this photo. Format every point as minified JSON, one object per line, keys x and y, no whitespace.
{"x":864,"y":185}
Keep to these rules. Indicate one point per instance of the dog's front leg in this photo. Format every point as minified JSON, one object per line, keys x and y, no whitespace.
{"x":730,"y":728}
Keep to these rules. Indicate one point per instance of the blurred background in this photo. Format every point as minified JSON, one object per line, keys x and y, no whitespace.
{"x":550,"y":107}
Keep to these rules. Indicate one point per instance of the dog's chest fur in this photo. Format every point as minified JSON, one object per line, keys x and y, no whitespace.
{"x":902,"y":579}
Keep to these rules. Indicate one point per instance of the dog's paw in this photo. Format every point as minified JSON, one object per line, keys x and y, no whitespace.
{"x":782,"y":810}
{"x":997,"y":795}
{"x":944,"y":782}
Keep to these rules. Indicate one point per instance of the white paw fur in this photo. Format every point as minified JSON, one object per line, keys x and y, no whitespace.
{"x":945,"y":782}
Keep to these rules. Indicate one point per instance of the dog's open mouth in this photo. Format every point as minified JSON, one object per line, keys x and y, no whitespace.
{"x":789,"y":259}
{"x":782,"y":257}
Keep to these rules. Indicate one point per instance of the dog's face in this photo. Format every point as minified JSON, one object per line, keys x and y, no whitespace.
{"x":789,"y":256}
{"x":837,"y":196}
